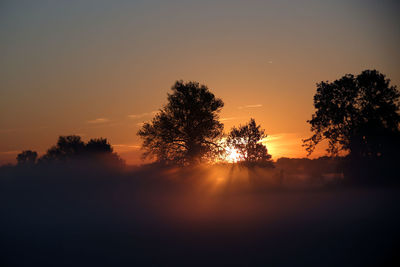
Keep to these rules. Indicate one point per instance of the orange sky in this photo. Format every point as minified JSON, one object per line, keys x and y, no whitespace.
{"x":99,"y":69}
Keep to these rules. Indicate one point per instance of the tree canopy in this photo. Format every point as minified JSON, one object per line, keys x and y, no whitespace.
{"x":72,"y":147}
{"x":358,"y":114}
{"x":67,"y":147}
{"x":27,"y":157}
{"x":186,"y":129}
{"x":246,"y":139}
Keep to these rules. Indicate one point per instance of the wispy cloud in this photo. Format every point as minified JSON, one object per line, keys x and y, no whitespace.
{"x":250,"y":106}
{"x":274,"y":137}
{"x":288,"y":138}
{"x":142,"y":115}
{"x":284,"y":145}
{"x":98,"y":120}
{"x":126,"y":148}
{"x":228,"y":119}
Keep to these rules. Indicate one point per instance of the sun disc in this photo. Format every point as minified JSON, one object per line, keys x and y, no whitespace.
{"x":232,"y":155}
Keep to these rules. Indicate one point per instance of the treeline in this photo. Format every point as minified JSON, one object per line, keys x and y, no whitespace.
{"x":71,"y":149}
{"x":356,"y":115}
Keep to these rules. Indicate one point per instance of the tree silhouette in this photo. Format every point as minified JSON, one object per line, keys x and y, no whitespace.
{"x":99,"y":149}
{"x":246,"y":140}
{"x":356,"y":114}
{"x":98,"y":145}
{"x":67,"y":147}
{"x":73,"y":148}
{"x":185,"y":130}
{"x":27,"y":157}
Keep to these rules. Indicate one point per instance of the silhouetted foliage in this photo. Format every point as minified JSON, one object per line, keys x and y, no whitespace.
{"x":73,"y":148}
{"x":356,"y":114}
{"x":359,"y":115}
{"x":186,"y":129}
{"x":98,"y":145}
{"x":100,"y":149}
{"x":246,"y":140}
{"x":27,"y":157}
{"x":67,"y":147}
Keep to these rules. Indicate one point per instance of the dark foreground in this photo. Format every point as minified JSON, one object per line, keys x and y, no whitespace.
{"x":165,"y":218}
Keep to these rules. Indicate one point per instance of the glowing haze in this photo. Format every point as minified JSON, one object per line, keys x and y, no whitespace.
{"x":101,"y":68}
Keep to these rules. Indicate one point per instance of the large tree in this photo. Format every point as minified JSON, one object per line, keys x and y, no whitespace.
{"x":186,"y":129}
{"x":358,"y":114}
{"x":246,"y":140}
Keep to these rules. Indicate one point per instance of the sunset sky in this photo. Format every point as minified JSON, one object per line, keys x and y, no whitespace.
{"x":101,"y":68}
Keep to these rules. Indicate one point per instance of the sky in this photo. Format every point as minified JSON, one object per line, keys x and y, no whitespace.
{"x":101,"y":68}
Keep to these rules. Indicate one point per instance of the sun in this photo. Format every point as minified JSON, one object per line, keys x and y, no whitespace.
{"x":232,"y":155}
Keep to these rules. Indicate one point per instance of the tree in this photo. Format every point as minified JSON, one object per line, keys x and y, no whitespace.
{"x":98,"y":146}
{"x":27,"y":157}
{"x":186,"y":129}
{"x":246,"y":140}
{"x":98,"y":149}
{"x":356,"y":114}
{"x":67,"y":147}
{"x":72,"y":147}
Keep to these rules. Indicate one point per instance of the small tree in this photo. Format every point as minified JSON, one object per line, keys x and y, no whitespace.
{"x":186,"y":130}
{"x":246,"y":140}
{"x":27,"y":157}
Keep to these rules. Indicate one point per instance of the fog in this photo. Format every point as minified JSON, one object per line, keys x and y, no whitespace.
{"x":227,"y":214}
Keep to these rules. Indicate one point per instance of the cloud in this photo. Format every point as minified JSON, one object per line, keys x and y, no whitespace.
{"x":284,"y":145}
{"x":98,"y":120}
{"x":228,"y":119}
{"x":287,"y":138}
{"x":126,"y":148}
{"x":251,"y":106}
{"x":274,"y":137}
{"x":142,"y":115}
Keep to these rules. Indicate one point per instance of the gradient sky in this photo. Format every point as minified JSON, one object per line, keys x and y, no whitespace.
{"x":100,"y":68}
